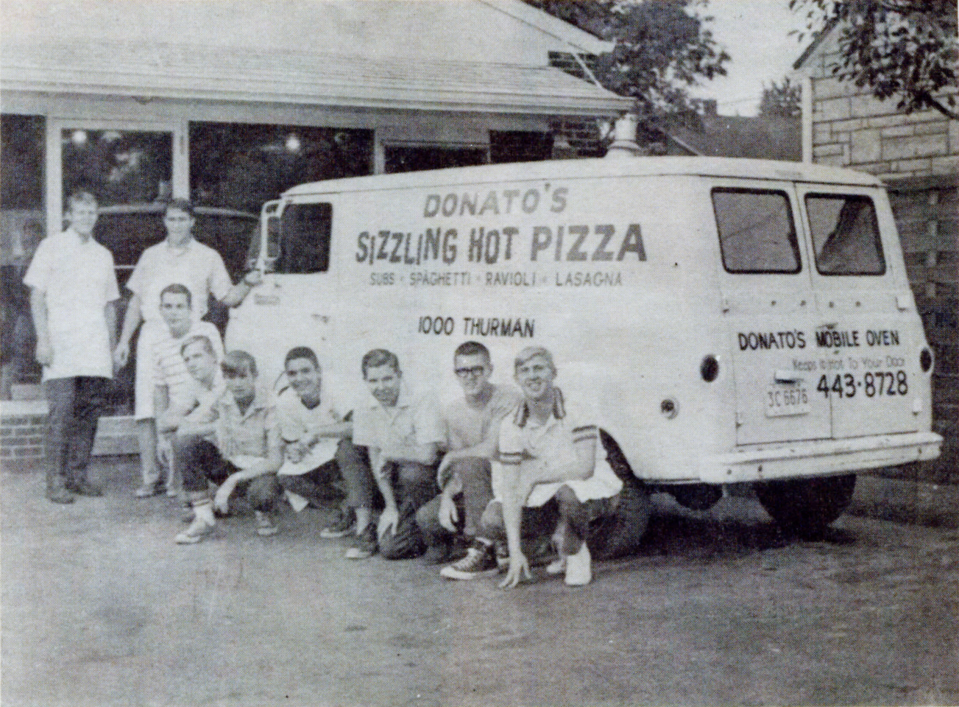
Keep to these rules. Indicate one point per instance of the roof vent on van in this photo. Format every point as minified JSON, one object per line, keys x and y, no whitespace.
{"x":624,"y":137}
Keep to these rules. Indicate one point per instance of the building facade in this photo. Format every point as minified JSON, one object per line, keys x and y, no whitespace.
{"x":230,"y":102}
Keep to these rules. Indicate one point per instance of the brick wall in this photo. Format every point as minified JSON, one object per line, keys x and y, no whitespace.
{"x":22,"y":433}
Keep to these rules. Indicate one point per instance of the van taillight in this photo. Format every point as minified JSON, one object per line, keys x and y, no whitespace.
{"x":925,"y":360}
{"x":709,"y":368}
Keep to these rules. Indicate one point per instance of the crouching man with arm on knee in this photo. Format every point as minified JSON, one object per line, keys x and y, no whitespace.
{"x":231,"y":440}
{"x":403,"y":434}
{"x":549,"y":451}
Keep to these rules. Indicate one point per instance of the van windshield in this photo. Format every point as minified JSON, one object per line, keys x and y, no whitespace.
{"x":756,"y":231}
{"x":845,"y":234}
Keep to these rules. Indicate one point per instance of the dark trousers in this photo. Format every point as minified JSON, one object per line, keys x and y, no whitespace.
{"x":475,"y":475}
{"x":201,"y":463}
{"x":578,"y":518}
{"x":413,"y":486}
{"x":347,"y":475}
{"x":75,"y":406}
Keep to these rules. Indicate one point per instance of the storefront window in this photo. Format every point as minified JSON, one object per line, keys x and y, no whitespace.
{"x":21,"y":229}
{"x":241,"y":166}
{"x":416,"y":159}
{"x":516,"y":146}
{"x":118,"y":166}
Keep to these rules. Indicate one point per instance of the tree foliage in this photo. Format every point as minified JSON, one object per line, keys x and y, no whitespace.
{"x":781,"y":100}
{"x":906,"y":49}
{"x":662,"y":48}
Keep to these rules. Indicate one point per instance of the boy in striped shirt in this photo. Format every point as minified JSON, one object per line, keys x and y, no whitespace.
{"x":176,"y":390}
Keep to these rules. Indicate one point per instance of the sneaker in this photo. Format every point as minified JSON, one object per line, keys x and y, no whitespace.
{"x":146,"y":491}
{"x":502,"y":556}
{"x":85,"y":488}
{"x":198,"y":530}
{"x":557,"y":566}
{"x":578,"y":570}
{"x":265,"y":527}
{"x":364,"y":545}
{"x":342,"y":525}
{"x":480,"y":561}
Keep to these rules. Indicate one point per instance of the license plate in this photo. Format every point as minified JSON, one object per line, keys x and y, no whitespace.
{"x":783,"y":400}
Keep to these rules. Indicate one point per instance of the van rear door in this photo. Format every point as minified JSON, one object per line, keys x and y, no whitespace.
{"x":770,"y":310}
{"x":868,"y":329}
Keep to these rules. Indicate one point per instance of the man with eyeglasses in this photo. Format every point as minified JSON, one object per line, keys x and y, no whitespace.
{"x":471,"y":424}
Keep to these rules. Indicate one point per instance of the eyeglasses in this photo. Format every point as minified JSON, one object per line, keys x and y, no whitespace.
{"x":474,"y":371}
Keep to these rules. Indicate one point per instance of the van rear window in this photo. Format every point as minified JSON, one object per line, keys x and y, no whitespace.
{"x":756,"y":231}
{"x":845,"y":234}
{"x":304,"y":238}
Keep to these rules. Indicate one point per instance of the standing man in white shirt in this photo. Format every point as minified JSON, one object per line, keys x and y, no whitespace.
{"x":73,"y":293}
{"x":178,"y":259}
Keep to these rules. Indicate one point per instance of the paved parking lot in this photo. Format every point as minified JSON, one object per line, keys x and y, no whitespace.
{"x":100,"y":607}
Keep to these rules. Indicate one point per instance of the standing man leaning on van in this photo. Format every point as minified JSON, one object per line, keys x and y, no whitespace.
{"x":403,"y":434}
{"x":178,"y":259}
{"x":73,"y":293}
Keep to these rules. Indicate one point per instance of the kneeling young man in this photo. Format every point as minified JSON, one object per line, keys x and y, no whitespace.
{"x":232,"y":441}
{"x":550,"y":451}
{"x":403,"y":434}
{"x":319,"y":456}
{"x":465,"y":475}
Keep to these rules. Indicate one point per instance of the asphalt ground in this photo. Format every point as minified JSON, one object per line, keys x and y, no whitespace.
{"x":100,"y":607}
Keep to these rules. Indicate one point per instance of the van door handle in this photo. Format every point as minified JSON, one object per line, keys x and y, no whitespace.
{"x":787,"y":377}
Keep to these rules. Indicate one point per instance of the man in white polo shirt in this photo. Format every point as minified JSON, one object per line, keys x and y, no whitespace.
{"x":550,"y":450}
{"x":403,"y":434}
{"x":180,"y":258}
{"x":73,"y":293}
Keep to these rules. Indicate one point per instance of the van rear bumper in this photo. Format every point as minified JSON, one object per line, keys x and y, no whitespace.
{"x":819,"y":457}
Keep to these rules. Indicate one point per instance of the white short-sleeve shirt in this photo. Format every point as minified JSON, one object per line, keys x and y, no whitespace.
{"x":78,"y":281}
{"x":412,"y":421}
{"x":553,"y":443}
{"x":196,"y":266}
{"x":298,"y":423}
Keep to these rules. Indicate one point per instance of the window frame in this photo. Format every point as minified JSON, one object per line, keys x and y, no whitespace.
{"x":794,"y":237}
{"x":876,"y":230}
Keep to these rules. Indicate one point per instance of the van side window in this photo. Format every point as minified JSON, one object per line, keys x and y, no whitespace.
{"x":756,"y":231}
{"x":304,"y":245}
{"x":845,"y":234}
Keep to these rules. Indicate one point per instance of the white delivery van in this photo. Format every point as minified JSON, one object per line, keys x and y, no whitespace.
{"x":730,"y":320}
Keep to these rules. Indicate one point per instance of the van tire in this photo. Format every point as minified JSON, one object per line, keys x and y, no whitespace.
{"x":696,"y":497}
{"x":620,"y":533}
{"x":805,"y":507}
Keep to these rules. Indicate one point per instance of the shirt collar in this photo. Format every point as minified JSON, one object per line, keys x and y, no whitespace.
{"x":522,"y":416}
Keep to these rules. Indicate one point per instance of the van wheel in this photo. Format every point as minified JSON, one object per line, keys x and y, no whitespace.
{"x":620,"y":533}
{"x":696,"y":497}
{"x":804,"y":507}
